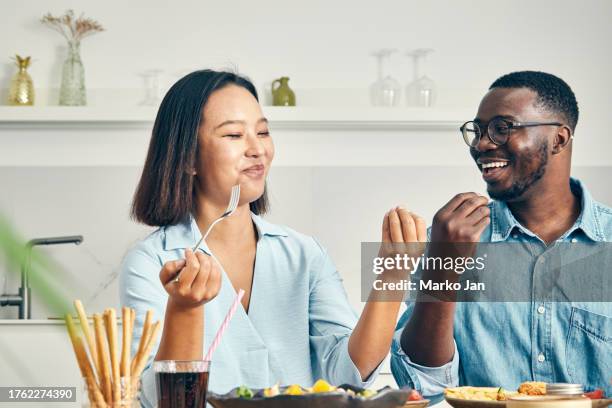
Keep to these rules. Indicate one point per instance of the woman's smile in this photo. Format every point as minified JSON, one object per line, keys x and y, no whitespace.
{"x":256,"y":171}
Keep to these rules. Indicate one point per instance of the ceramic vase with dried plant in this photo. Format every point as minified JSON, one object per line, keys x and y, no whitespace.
{"x":72,"y":89}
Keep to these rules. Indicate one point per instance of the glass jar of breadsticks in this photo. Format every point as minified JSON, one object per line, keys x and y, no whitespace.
{"x":128,"y":395}
{"x":111,"y":376}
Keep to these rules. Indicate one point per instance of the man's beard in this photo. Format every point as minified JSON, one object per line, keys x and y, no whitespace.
{"x":519,"y":187}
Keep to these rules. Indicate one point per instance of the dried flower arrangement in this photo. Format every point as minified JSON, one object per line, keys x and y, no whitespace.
{"x":71,"y":28}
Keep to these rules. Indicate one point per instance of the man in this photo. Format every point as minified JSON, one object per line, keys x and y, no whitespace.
{"x":521,"y":141}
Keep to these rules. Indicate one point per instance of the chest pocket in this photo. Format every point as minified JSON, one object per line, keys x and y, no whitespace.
{"x":589,"y":349}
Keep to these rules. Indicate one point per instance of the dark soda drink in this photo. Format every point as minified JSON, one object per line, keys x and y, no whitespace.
{"x":181,"y":387}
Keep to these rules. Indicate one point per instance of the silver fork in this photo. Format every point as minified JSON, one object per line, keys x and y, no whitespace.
{"x":231,"y":207}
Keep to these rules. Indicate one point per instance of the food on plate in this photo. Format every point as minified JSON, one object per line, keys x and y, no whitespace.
{"x":319,"y":387}
{"x":322,"y":386}
{"x":321,"y":395}
{"x":479,"y":393}
{"x":272,"y":391}
{"x":294,"y":389}
{"x":528,"y":388}
{"x":366,"y":393}
{"x":414,"y":396}
{"x":532,"y":388}
{"x":597,"y":394}
{"x":244,"y":392}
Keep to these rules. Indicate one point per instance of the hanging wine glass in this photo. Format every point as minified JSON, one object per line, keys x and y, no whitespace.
{"x":386,"y":90}
{"x":422,"y":90}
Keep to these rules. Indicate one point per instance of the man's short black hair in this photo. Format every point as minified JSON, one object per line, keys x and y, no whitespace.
{"x":554,"y":93}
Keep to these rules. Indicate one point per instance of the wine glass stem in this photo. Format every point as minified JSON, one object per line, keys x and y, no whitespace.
{"x":380,"y":66}
{"x":417,"y":67}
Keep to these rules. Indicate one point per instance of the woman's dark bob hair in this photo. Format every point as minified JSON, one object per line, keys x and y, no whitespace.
{"x":166,"y":192}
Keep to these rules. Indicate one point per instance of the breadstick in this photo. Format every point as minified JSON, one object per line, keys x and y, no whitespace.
{"x":92,"y":385}
{"x":105,"y":379}
{"x":128,"y":383}
{"x":143,"y":339}
{"x":75,"y":339}
{"x":111,"y":317}
{"x":93,"y":390}
{"x":144,"y":356}
{"x":87,"y":332}
{"x":133,"y":318}
{"x":106,"y":323}
{"x":126,"y":318}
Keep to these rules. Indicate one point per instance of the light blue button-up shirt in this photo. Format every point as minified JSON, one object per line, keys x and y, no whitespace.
{"x":299,"y":320}
{"x":506,"y":343}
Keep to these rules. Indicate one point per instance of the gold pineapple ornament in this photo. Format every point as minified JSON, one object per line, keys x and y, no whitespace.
{"x":21,"y":92}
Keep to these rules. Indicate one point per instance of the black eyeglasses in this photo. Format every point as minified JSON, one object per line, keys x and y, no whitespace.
{"x":498,"y":130}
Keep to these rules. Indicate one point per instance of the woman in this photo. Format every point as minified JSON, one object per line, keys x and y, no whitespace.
{"x":295,"y":324}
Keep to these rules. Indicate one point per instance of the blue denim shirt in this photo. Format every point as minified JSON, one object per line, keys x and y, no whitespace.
{"x":506,"y":343}
{"x":299,"y":320}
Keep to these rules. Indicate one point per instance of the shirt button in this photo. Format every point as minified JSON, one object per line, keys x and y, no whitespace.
{"x":541,"y":358}
{"x":541,"y":310}
{"x":515,"y":236}
{"x":574,"y":240}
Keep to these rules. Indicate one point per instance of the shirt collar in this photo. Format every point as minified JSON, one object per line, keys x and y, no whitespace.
{"x":588,"y":220}
{"x":503,"y":222}
{"x":186,"y":234}
{"x":267,"y":228}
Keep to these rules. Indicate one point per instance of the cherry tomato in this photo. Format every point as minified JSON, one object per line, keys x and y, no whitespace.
{"x":414,"y":396}
{"x":597,"y":394}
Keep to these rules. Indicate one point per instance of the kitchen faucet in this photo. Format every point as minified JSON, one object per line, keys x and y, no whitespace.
{"x":23,"y":297}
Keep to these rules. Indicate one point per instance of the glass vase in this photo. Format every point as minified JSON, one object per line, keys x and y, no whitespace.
{"x":72,"y":90}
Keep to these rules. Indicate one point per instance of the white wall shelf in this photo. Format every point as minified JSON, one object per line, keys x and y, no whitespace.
{"x":296,"y":118}
{"x":303,"y":135}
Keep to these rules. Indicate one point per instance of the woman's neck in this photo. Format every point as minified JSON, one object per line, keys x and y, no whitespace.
{"x":237,"y":227}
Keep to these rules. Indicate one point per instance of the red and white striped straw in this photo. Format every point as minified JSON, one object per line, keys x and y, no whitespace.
{"x":224,"y":325}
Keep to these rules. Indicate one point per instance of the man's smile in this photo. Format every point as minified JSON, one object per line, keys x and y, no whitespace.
{"x":492,"y":169}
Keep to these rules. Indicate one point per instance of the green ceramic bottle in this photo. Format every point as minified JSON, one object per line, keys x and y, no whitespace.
{"x":282,"y":95}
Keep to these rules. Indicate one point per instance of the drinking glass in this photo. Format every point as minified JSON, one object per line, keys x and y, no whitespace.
{"x":181,"y":383}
